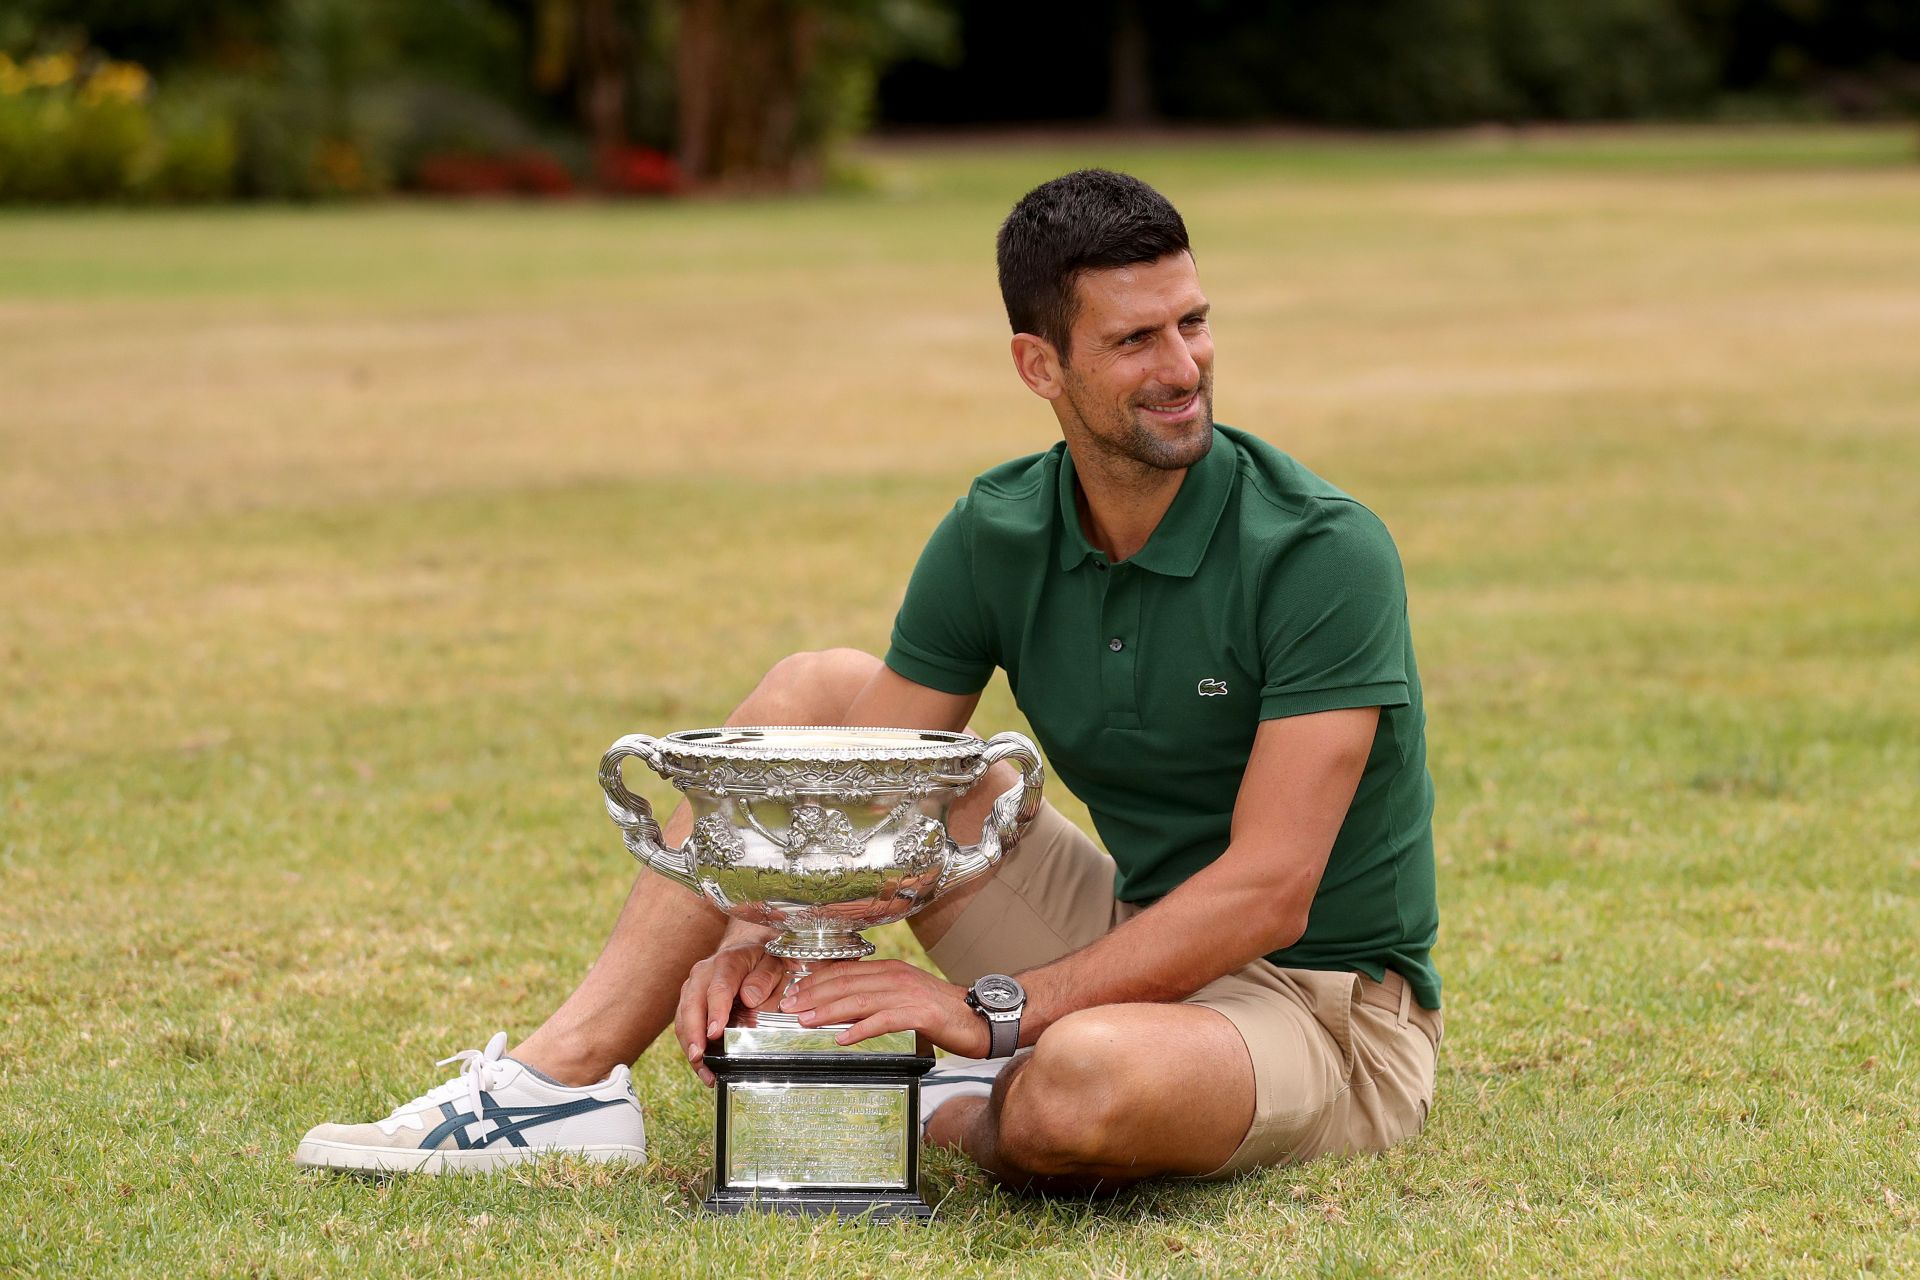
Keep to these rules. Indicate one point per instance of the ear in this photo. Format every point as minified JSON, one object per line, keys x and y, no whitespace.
{"x":1038,"y":364}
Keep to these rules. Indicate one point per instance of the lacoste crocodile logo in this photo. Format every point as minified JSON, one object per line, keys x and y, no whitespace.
{"x":1213,"y":688}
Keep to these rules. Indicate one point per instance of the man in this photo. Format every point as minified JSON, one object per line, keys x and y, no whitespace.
{"x":1211,"y":645}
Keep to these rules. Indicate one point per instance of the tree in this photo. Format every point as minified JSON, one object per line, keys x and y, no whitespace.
{"x":1130,"y":84}
{"x":741,"y":67}
{"x":766,"y":86}
{"x":760,"y":88}
{"x":585,"y":42}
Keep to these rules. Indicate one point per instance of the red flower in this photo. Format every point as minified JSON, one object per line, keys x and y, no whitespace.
{"x":637,"y":171}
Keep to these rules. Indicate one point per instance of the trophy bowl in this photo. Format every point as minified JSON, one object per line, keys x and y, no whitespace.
{"x":821,"y":832}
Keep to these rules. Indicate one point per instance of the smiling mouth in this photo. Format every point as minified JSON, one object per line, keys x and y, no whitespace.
{"x":1176,"y":409}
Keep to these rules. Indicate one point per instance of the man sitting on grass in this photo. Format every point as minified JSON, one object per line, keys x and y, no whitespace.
{"x":1211,"y":644}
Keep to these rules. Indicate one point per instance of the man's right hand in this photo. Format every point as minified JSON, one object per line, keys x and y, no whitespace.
{"x":739,"y":971}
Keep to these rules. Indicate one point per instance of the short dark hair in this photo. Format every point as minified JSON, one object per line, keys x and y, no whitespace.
{"x":1088,"y":220}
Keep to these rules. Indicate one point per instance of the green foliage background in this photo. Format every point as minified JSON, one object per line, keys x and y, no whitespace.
{"x":306,"y":99}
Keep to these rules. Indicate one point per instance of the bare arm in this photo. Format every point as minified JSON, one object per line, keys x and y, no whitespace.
{"x":1252,"y":900}
{"x":890,"y":700}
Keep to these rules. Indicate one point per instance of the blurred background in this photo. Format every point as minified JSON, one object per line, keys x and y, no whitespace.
{"x":212,"y":99}
{"x":344,"y":524}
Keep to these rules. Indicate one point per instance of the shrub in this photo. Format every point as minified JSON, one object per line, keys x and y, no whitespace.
{"x":197,"y":152}
{"x":289,"y":146}
{"x":471,"y":174}
{"x":70,"y":131}
{"x":1410,"y":63}
{"x":637,"y":171}
{"x":88,"y":128}
{"x":451,"y":140}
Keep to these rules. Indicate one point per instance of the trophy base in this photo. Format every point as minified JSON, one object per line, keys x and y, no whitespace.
{"x":875,"y":1206}
{"x":806,"y":1126}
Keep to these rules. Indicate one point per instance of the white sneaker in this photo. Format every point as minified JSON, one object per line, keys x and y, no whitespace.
{"x":496,"y":1112}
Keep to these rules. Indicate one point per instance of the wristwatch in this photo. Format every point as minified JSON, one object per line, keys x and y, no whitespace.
{"x":1000,"y":1000}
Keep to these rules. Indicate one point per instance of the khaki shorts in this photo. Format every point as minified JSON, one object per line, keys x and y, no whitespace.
{"x":1341,"y":1063}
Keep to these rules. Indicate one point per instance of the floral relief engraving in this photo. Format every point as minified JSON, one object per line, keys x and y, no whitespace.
{"x":922,"y":843}
{"x":815,"y":831}
{"x":715,"y":843}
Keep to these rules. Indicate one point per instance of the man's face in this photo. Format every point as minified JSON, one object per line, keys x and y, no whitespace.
{"x":1140,"y":377}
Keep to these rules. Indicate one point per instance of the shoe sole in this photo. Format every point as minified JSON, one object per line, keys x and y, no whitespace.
{"x":321,"y":1154}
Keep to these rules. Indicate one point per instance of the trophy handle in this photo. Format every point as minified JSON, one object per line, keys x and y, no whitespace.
{"x":634,"y":816}
{"x":1012,"y":813}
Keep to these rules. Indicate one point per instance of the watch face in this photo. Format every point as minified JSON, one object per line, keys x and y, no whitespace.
{"x":999,"y":993}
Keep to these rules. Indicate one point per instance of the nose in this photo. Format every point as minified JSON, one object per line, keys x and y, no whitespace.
{"x":1185,"y":354}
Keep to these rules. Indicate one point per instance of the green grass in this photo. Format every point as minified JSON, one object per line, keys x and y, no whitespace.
{"x":336,"y":544}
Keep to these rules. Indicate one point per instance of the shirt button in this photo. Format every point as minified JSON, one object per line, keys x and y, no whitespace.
{"x":1115,"y":644}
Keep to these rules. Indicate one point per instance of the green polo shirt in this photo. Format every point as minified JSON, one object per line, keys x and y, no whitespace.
{"x":1264,"y":592}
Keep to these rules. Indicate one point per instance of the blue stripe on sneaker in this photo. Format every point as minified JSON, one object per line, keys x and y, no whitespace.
{"x":545,"y":1115}
{"x":455,"y":1121}
{"x":491,"y":1106}
{"x":508,"y":1121}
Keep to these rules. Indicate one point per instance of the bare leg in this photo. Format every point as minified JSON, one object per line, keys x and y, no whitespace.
{"x":629,"y":995}
{"x":1111,"y":1095}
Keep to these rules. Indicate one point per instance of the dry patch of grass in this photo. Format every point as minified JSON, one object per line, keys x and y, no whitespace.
{"x":336,"y":544}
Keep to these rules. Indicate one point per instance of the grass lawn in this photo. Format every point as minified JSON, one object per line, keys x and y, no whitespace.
{"x":337,"y":543}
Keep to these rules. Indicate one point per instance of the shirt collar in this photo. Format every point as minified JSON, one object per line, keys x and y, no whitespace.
{"x":1180,"y":540}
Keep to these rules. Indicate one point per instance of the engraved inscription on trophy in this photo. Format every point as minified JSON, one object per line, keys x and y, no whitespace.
{"x":816,"y":1135}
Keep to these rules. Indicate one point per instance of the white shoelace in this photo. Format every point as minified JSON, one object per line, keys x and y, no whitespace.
{"x":479,"y":1070}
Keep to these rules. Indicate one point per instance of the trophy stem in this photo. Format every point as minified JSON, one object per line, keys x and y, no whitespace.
{"x":820,"y":944}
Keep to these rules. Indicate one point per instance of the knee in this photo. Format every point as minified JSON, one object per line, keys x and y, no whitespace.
{"x":813,"y":687}
{"x":1063,"y":1112}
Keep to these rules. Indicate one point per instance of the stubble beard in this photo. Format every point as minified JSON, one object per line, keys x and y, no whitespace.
{"x":1121,"y":434}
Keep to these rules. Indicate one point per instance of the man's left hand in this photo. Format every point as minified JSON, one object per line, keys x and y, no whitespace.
{"x":878,"y":996}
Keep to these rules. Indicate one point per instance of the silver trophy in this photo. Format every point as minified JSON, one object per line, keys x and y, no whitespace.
{"x":819,"y":833}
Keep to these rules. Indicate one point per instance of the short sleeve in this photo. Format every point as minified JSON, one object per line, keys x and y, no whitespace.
{"x":940,"y":634}
{"x":1333,"y":619}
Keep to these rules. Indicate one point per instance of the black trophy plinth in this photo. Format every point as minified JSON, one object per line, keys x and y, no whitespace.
{"x":804,"y":1125}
